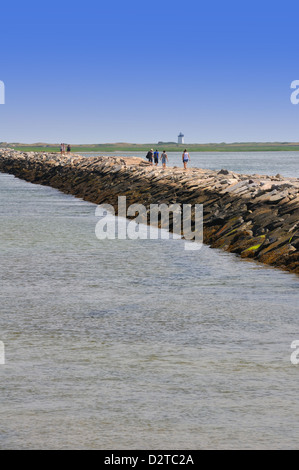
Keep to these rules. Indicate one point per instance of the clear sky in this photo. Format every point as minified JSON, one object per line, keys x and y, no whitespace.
{"x":132,"y":71}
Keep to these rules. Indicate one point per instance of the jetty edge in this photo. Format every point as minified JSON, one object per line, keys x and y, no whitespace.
{"x":254,"y":216}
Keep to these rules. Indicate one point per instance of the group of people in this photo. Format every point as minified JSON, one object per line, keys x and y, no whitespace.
{"x":153,"y":158}
{"x":62,"y":148}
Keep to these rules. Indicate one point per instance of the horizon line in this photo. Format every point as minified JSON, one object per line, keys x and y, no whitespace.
{"x":151,"y":143}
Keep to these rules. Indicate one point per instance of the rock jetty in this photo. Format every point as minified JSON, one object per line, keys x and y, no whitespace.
{"x":254,"y":216}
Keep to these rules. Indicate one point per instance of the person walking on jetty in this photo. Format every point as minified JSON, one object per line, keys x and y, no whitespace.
{"x":156,"y":157}
{"x":185,"y":158}
{"x":164,"y":158}
{"x":68,"y":149}
{"x":62,"y":149}
{"x":149,"y":156}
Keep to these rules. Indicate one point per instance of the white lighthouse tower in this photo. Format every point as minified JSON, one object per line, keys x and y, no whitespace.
{"x":180,"y":138}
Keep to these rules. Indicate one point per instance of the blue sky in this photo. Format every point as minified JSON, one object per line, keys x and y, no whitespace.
{"x":96,"y":72}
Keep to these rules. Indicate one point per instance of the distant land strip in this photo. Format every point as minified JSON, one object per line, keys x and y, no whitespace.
{"x":168,"y":146}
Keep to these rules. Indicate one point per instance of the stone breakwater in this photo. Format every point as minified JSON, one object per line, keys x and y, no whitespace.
{"x":254,"y":216}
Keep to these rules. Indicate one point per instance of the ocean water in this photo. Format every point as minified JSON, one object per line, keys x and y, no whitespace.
{"x":138,"y":344}
{"x":263,"y":163}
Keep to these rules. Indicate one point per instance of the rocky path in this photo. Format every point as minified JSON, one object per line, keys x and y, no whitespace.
{"x":255,"y":216}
